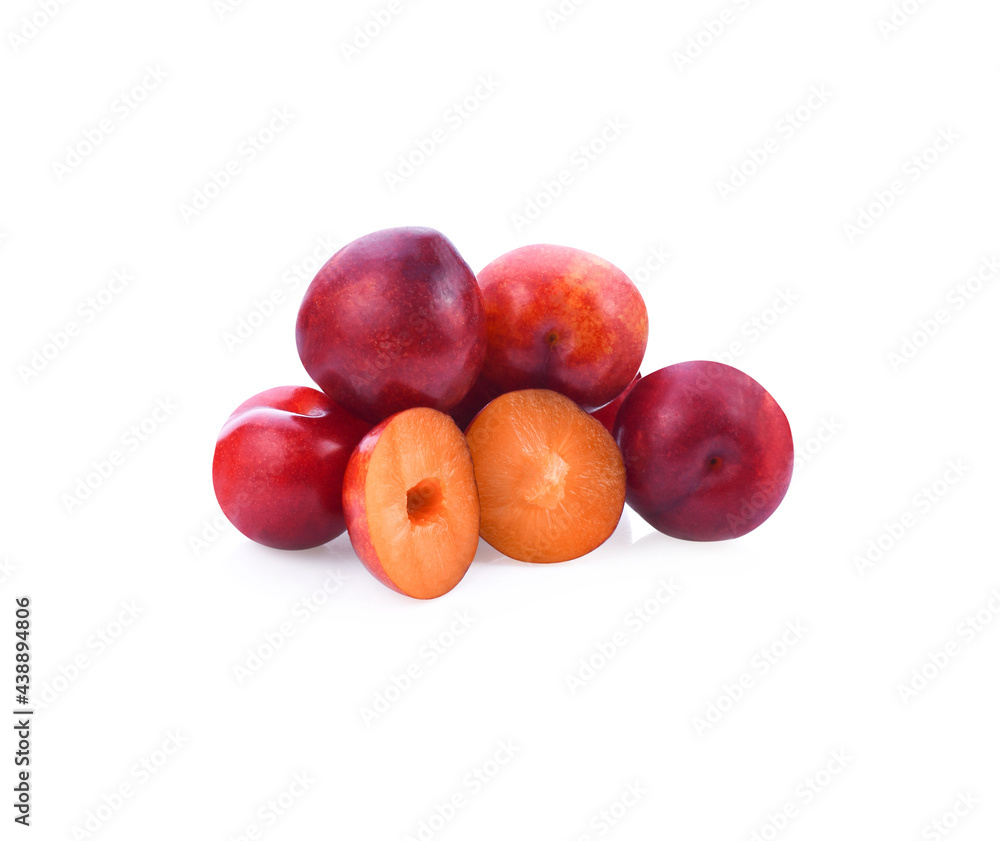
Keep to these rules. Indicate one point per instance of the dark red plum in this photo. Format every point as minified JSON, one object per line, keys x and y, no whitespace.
{"x":708,"y":452}
{"x":394,"y":320}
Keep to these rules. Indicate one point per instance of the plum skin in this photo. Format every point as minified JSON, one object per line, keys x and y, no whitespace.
{"x":608,"y":413}
{"x":356,"y":507}
{"x":708,"y":451}
{"x":392,"y":321}
{"x":562,"y":319}
{"x":279,"y":467}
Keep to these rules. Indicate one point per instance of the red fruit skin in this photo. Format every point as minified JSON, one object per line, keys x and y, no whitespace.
{"x":356,"y":507}
{"x":279,"y":466}
{"x":473,"y":403}
{"x":708,"y":452}
{"x":607,"y":414}
{"x":562,"y":319}
{"x":393,"y":320}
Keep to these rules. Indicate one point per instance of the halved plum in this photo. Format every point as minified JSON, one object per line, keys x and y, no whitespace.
{"x":551,"y":478}
{"x":411,"y":504}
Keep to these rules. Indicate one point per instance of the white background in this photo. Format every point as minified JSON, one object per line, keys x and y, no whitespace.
{"x":149,"y":535}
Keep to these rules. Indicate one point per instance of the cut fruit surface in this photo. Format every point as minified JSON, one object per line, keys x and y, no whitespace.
{"x":411,"y":504}
{"x":551,"y":478}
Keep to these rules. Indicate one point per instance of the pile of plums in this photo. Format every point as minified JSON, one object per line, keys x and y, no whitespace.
{"x":508,"y":407}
